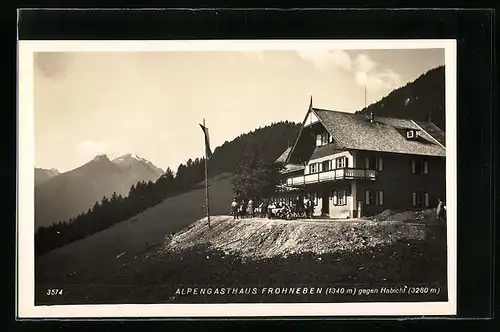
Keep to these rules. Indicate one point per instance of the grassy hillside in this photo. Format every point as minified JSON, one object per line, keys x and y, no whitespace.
{"x":245,"y":253}
{"x":269,"y":141}
{"x":135,"y":236}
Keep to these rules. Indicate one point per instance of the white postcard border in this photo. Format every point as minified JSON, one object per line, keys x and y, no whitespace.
{"x":25,"y":275}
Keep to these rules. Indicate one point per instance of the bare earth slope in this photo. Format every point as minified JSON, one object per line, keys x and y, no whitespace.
{"x":263,"y":238}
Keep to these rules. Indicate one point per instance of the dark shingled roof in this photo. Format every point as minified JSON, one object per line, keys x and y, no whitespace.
{"x":325,"y":150}
{"x":284,"y":155}
{"x":290,"y":168}
{"x":356,"y":132}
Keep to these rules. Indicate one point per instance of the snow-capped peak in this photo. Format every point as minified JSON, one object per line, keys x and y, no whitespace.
{"x":129,"y":156}
{"x":129,"y":159}
{"x":101,"y":157}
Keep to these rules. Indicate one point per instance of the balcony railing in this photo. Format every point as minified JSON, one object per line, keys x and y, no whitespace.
{"x":333,"y":175}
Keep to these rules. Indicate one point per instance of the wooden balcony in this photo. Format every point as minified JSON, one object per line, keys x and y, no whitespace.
{"x":333,"y":175}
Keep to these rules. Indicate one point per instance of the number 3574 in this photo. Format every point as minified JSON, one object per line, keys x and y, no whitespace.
{"x":54,"y":291}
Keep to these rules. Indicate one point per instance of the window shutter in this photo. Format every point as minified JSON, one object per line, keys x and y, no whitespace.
{"x":380,"y":164}
{"x":413,"y":166}
{"x":330,"y":138}
{"x":367,"y":163}
{"x":414,"y":199}
{"x":319,"y":167}
{"x":346,"y":162}
{"x":380,"y":198}
{"x":367,"y":197}
{"x":318,"y":140}
{"x":426,"y":198}
{"x":426,"y":167}
{"x":335,"y":197}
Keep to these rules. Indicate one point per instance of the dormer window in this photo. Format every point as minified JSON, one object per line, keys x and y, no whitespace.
{"x":322,"y":139}
{"x":412,"y":134}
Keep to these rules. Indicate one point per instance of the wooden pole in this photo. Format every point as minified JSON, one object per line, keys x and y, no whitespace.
{"x":207,"y":201}
{"x":365,"y":95}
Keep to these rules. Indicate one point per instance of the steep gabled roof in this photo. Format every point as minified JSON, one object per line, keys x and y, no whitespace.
{"x":290,"y":167}
{"x":356,"y":132}
{"x":433,"y":131}
{"x":284,"y":155}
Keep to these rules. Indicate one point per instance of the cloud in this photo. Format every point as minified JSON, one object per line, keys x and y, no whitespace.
{"x":326,"y":59}
{"x":368,"y":74}
{"x":366,"y":71}
{"x":387,"y":79}
{"x":93,"y":148}
{"x":364,"y":64}
{"x":52,"y":64}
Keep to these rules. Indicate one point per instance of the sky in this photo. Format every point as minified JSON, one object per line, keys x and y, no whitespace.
{"x":150,"y":103}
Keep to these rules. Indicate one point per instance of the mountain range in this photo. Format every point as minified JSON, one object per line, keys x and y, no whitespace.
{"x":60,"y":196}
{"x":42,"y":175}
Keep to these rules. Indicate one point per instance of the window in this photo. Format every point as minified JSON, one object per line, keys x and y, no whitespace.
{"x":325,"y":137}
{"x":412,"y":134}
{"x":313,"y":168}
{"x":374,"y":197}
{"x":339,"y":197}
{"x":341,"y":162}
{"x":370,"y":162}
{"x":326,"y":165}
{"x":322,"y":139}
{"x":380,"y":197}
{"x":373,"y":162}
{"x":420,"y":199}
{"x":419,"y":166}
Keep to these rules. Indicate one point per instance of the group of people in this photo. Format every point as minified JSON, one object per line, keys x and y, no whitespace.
{"x":242,"y":208}
{"x":298,"y":208}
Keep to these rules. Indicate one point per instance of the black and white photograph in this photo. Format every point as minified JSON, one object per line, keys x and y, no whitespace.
{"x":237,"y":178}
